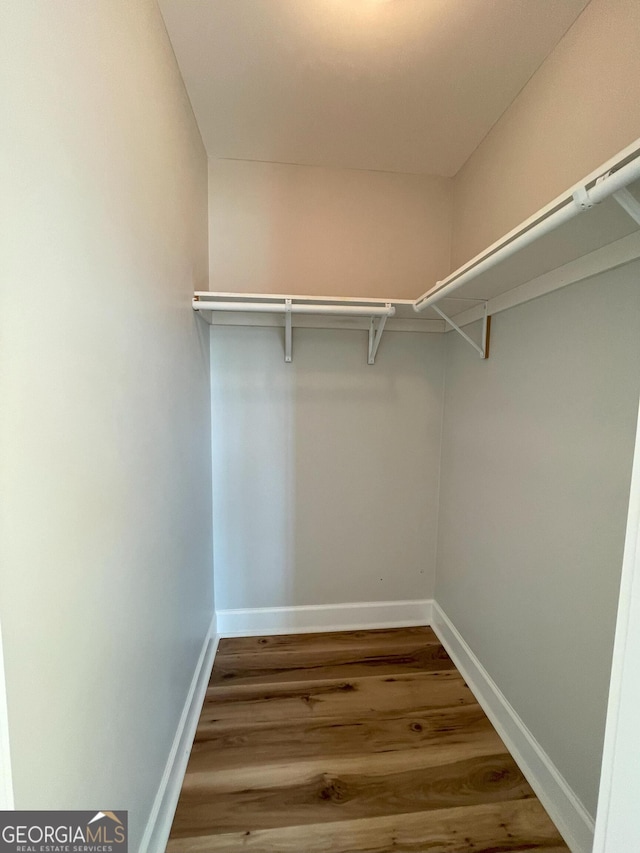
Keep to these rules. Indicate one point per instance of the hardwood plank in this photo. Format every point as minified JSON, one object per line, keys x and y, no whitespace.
{"x":382,"y":639}
{"x":257,"y":668}
{"x":333,"y":795}
{"x":286,"y":658}
{"x":350,"y":698}
{"x":505,"y":827}
{"x":288,"y":769}
{"x":251,"y":744}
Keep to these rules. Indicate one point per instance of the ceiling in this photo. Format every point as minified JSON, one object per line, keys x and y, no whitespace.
{"x":395,"y":85}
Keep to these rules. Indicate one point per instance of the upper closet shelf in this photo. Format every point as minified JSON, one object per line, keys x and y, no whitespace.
{"x":592,"y":227}
{"x":349,"y":312}
{"x":324,"y":312}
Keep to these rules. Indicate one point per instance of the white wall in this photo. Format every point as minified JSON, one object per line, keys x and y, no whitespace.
{"x":618,"y":823}
{"x":537,"y":451}
{"x":276,"y":228}
{"x":326,"y":469}
{"x":105,"y":538}
{"x":579,"y":109}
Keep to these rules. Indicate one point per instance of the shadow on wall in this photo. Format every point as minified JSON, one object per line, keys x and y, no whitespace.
{"x":326,"y":470}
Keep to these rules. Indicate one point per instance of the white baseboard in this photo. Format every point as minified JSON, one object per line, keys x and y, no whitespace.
{"x":562,"y":804}
{"x":158,"y":826}
{"x":324,"y":617}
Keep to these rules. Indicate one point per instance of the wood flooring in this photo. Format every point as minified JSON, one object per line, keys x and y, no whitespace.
{"x":350,"y":742}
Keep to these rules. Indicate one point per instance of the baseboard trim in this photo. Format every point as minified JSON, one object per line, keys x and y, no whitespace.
{"x":564,"y":807}
{"x":324,"y":617}
{"x":158,"y":826}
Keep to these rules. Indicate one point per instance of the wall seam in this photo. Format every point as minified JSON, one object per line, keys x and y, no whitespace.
{"x":549,"y":53}
{"x":182,"y":80}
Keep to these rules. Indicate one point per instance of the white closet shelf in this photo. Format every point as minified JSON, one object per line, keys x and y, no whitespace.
{"x":351,"y":312}
{"x":592,"y":227}
{"x":319,"y":312}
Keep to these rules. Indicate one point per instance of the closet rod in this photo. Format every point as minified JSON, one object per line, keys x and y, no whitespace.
{"x":582,"y":199}
{"x":280,"y":308}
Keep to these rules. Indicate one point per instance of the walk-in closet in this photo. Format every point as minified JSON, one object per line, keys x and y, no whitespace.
{"x":319,"y":347}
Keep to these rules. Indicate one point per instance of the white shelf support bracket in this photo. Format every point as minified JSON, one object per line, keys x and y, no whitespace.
{"x":481,"y":349}
{"x":287,"y":331}
{"x":375,"y":335}
{"x":582,"y":199}
{"x":629,"y":203}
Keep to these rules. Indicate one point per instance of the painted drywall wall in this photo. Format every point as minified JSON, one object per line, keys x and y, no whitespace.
{"x":277,"y":228}
{"x":325,"y":471}
{"x":536,"y":465}
{"x":618,"y":821}
{"x":105,"y":528}
{"x":366,"y":84}
{"x":579,"y":109}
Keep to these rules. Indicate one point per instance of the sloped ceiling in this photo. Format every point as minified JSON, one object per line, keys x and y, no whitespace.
{"x":395,"y":85}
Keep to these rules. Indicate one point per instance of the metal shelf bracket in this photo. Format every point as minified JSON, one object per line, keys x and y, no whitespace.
{"x":629,"y":203}
{"x":582,"y":199}
{"x":375,"y":335}
{"x":483,"y":348}
{"x":287,"y":331}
